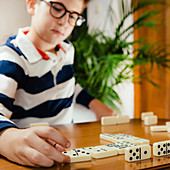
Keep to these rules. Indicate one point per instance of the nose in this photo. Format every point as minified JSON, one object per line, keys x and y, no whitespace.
{"x":64,"y":19}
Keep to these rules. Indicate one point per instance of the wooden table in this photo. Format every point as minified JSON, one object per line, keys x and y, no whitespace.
{"x":87,"y":134}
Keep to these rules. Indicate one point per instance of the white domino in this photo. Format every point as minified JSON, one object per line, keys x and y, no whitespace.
{"x":123,"y":119}
{"x":159,"y":128}
{"x":151,"y":120}
{"x":161,"y":148}
{"x":145,"y":114}
{"x":101,"y":151}
{"x":167,"y":123}
{"x":39,"y":124}
{"x":123,"y":137}
{"x":121,"y":146}
{"x":138,"y":153}
{"x":109,"y":120}
{"x":78,"y":155}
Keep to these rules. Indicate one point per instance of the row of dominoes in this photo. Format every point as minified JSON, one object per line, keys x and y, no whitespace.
{"x":102,"y":151}
{"x":123,"y":137}
{"x":142,"y":150}
{"x":161,"y":128}
{"x":132,"y":152}
{"x":113,"y":120}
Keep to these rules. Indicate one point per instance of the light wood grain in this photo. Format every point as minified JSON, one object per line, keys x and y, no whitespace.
{"x":87,"y":134}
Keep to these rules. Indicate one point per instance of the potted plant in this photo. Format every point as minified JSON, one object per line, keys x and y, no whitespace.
{"x":103,"y":62}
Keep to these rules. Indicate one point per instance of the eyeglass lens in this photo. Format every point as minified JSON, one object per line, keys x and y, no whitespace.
{"x":58,"y":11}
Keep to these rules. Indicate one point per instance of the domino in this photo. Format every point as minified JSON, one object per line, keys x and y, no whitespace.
{"x":39,"y":124}
{"x":167,"y":123}
{"x":158,"y":128}
{"x":78,"y":155}
{"x":137,"y":153}
{"x":124,"y":137}
{"x":109,"y":120}
{"x":168,"y":129}
{"x":123,"y":119}
{"x":161,"y":148}
{"x":151,"y":120}
{"x":107,"y":136}
{"x":121,"y":146}
{"x":101,"y":151}
{"x":144,"y":114}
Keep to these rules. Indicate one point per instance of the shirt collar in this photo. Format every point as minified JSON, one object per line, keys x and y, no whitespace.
{"x":31,"y":52}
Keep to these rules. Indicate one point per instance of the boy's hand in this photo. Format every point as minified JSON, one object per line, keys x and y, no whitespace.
{"x":101,"y":109}
{"x":33,"y":146}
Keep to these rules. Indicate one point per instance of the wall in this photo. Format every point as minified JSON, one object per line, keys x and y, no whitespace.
{"x":148,"y":97}
{"x":12,"y":16}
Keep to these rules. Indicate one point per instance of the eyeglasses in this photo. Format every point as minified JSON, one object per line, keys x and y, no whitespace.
{"x":58,"y":10}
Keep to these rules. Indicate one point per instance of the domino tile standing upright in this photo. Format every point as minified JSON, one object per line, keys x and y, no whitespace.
{"x":161,"y":148}
{"x":137,"y":153}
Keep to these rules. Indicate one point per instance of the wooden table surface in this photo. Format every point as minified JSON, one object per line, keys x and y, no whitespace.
{"x":87,"y":134}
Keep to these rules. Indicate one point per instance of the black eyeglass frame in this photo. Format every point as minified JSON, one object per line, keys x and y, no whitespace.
{"x":80,"y":18}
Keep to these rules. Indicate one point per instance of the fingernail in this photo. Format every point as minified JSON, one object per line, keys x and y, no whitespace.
{"x":68,"y":145}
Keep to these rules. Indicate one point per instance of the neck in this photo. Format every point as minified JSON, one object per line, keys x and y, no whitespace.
{"x":40,"y":43}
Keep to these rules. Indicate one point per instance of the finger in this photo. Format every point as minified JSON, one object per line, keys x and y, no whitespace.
{"x":37,"y":158}
{"x":48,"y":150}
{"x":25,"y":161}
{"x":52,"y":134}
{"x":55,"y":145}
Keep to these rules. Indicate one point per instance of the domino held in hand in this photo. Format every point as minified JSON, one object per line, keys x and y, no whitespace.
{"x":78,"y":155}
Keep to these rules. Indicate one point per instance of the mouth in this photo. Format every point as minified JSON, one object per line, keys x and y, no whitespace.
{"x":57,"y":32}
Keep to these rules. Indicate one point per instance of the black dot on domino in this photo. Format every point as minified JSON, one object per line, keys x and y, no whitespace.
{"x":164,"y":152}
{"x":83,"y":152}
{"x":134,"y":154}
{"x":130,"y":158}
{"x":137,"y":150}
{"x":130,"y":151}
{"x":137,"y":157}
{"x":145,"y":152}
{"x":164,"y":145}
{"x":65,"y":152}
{"x":159,"y":153}
{"x":159,"y":146}
{"x":161,"y":149}
{"x":74,"y":154}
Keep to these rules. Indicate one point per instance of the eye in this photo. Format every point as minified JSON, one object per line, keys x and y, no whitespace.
{"x":57,"y":9}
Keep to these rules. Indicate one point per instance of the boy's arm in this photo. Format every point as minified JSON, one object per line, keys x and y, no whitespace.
{"x":100,"y":109}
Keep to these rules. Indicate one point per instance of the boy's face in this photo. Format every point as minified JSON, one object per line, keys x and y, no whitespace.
{"x":46,"y":27}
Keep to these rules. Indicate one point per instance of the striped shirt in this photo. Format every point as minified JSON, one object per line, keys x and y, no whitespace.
{"x":37,"y":86}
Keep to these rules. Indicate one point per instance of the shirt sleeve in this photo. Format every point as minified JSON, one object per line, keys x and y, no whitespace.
{"x":83,"y":97}
{"x":9,"y":78}
{"x":5,"y":123}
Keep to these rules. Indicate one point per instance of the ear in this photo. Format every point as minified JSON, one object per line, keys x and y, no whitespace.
{"x":31,"y":6}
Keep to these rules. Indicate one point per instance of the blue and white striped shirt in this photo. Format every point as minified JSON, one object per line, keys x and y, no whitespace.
{"x":33,"y":89}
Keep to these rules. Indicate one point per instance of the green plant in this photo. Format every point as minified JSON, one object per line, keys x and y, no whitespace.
{"x":102,"y":62}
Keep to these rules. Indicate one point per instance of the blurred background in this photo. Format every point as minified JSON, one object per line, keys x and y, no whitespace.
{"x":136,"y":98}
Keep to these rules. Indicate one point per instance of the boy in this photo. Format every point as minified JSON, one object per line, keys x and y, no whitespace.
{"x":37,"y":84}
